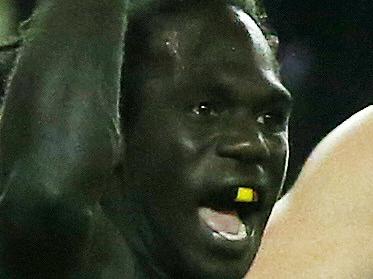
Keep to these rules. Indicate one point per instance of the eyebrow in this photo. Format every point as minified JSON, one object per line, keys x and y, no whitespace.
{"x":275,"y":96}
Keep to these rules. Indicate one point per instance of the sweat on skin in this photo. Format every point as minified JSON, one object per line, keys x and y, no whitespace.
{"x":223,"y":115}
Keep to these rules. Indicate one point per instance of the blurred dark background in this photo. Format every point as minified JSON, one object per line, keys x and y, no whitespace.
{"x":326,"y":51}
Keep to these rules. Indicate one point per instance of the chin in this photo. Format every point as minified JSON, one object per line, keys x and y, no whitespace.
{"x":210,"y":268}
{"x":202,"y":255}
{"x":196,"y":248}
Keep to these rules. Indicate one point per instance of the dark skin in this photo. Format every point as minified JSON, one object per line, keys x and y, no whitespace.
{"x":207,"y":117}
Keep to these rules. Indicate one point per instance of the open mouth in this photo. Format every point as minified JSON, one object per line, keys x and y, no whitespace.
{"x":227,"y":217}
{"x":223,"y":224}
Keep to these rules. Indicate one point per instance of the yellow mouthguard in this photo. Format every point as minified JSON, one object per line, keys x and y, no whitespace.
{"x":246,"y":195}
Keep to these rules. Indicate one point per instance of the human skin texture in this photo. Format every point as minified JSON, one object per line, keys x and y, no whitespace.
{"x":57,"y":135}
{"x":211,"y":114}
{"x":204,"y":113}
{"x":323,"y":227}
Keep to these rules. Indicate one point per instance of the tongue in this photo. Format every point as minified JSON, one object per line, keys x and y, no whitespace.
{"x":221,"y":221}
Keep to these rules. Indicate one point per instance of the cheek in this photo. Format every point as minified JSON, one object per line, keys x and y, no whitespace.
{"x":157,"y":151}
{"x":279,"y":152}
{"x":278,"y":145}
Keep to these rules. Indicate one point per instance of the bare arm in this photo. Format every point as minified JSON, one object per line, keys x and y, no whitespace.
{"x":323,"y":227}
{"x":57,"y":135}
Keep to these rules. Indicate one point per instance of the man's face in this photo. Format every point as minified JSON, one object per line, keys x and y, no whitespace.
{"x":212,"y":117}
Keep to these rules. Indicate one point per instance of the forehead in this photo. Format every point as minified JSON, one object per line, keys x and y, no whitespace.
{"x":199,"y":37}
{"x":193,"y":51}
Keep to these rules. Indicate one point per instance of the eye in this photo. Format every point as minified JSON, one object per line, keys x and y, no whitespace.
{"x":205,"y":109}
{"x":273,"y":121}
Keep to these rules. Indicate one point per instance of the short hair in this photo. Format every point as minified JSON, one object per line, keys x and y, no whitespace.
{"x":138,"y":14}
{"x":254,"y":8}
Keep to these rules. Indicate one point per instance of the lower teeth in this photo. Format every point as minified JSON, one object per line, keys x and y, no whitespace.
{"x":242,"y":234}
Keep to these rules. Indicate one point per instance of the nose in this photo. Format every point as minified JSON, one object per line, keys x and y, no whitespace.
{"x":251,"y":148}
